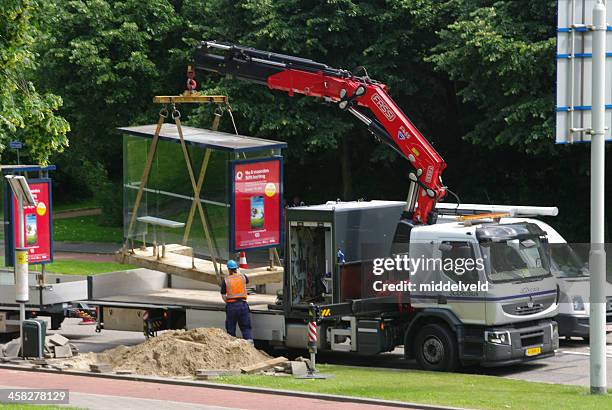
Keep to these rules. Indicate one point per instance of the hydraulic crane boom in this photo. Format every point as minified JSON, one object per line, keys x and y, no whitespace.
{"x":363,"y":97}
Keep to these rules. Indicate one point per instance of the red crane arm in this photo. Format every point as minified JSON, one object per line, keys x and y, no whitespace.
{"x":383,"y":118}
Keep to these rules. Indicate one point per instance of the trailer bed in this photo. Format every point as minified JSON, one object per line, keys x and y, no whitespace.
{"x":123,"y":298}
{"x":179,"y":298}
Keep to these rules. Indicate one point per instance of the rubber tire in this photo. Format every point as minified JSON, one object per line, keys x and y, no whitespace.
{"x":450,"y":356}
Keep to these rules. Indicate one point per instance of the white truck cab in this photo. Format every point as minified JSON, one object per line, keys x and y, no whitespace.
{"x":515,"y":295}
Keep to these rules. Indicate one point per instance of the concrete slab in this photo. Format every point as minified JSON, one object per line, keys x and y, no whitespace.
{"x":298,"y":369}
{"x":63,"y":351}
{"x":57,"y":340}
{"x":12,"y":349}
{"x":100,"y":368}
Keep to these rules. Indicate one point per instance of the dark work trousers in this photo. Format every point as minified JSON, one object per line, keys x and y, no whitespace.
{"x":238,"y":312}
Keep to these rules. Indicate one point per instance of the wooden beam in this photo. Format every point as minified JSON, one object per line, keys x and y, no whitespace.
{"x":178,"y":262}
{"x":190,"y":98}
{"x":145,"y":175}
{"x":207,"y":234}
{"x":196,"y":195}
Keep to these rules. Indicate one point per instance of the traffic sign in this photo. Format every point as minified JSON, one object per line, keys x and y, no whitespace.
{"x":16,"y":144}
{"x":574,"y":72}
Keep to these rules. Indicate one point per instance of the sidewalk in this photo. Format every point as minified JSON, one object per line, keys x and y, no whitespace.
{"x":103,"y":393}
{"x":101,"y":248}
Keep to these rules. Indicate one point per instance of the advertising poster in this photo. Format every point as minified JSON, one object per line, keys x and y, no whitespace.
{"x":36,"y":223}
{"x":256,"y":187}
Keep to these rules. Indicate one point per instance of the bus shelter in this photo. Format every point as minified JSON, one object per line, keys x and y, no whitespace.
{"x":197,"y":198}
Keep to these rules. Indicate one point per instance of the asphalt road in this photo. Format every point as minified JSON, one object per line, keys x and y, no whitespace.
{"x":569,"y":366}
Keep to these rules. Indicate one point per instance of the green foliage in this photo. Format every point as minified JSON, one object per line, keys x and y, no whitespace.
{"x":107,"y":194}
{"x":475,"y":76}
{"x":107,"y":58}
{"x":25,"y":114}
{"x":502,"y":55}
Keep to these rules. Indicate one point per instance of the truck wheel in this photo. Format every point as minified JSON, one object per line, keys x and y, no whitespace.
{"x":436,"y":349}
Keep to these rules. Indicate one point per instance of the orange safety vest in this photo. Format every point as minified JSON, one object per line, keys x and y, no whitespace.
{"x":235,"y":286}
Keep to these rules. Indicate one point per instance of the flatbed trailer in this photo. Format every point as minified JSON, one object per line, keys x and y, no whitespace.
{"x":509,"y":323}
{"x":148,"y":302}
{"x":54,"y":298}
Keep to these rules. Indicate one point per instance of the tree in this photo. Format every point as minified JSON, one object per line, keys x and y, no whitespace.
{"x":502,"y":56}
{"x":107,"y":59}
{"x":26,"y":114}
{"x":325,"y":142}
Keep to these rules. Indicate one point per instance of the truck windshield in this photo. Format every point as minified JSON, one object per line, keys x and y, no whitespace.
{"x":566,"y":263}
{"x":515,"y":260}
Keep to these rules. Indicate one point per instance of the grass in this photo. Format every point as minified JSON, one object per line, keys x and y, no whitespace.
{"x":81,"y":267}
{"x":85,"y":229}
{"x":450,"y":389}
{"x":23,"y":406}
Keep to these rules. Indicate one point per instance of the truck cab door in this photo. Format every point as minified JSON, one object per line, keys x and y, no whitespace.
{"x":458,"y":266}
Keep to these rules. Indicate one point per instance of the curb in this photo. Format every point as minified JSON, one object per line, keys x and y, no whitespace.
{"x":248,"y":389}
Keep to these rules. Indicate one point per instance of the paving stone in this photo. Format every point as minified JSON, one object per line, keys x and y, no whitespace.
{"x":63,"y":351}
{"x":213,"y":372}
{"x":207,"y":376}
{"x":12,"y":349}
{"x":40,"y":362}
{"x":57,"y":340}
{"x":299,"y":368}
{"x":100,"y":368}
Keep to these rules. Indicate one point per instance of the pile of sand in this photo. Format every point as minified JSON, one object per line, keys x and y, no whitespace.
{"x":176,"y":353}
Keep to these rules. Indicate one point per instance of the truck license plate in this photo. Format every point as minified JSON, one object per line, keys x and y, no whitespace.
{"x":533,"y":351}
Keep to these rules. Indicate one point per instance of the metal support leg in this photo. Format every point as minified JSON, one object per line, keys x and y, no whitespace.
{"x":271,"y":259}
{"x":196,"y":195}
{"x":177,"y":119}
{"x":145,"y":174}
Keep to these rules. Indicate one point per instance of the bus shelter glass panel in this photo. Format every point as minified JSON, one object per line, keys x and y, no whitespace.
{"x":169,"y":194}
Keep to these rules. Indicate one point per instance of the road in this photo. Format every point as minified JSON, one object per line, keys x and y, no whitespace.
{"x":569,"y":366}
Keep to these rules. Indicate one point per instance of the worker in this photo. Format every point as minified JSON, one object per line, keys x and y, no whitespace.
{"x":234,"y":293}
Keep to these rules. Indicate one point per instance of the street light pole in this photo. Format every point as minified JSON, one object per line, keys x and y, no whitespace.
{"x":597,"y":254}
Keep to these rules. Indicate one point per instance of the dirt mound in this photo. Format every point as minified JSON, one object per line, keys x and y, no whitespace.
{"x":177,"y":353}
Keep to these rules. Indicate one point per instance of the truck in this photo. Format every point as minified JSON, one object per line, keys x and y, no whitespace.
{"x":53,"y":299}
{"x":510,"y":322}
{"x":497,"y":312}
{"x":572,"y":274}
{"x":567,"y":266}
